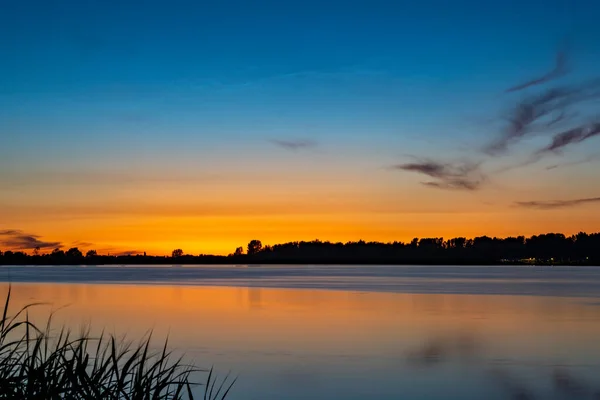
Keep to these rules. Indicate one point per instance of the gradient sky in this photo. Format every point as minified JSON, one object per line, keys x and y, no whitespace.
{"x":144,"y":126}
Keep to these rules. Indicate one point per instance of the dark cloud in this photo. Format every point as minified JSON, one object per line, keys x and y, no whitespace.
{"x":575,"y":135}
{"x":559,"y":113}
{"x":549,"y":205}
{"x":559,"y":118}
{"x":18,"y":240}
{"x":458,"y":176}
{"x":560,"y":69}
{"x":543,"y":112}
{"x":82,"y":244}
{"x":525,"y":116}
{"x":559,"y":142}
{"x":294,"y":145}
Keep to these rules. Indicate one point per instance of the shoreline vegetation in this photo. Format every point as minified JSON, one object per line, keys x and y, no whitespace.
{"x":43,"y":363}
{"x":545,"y":249}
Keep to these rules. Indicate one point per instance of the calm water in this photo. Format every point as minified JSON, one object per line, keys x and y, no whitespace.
{"x":384,"y":332}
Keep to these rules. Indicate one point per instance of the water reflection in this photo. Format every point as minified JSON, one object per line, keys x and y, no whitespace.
{"x":317,"y":344}
{"x":463,"y":347}
{"x":466,"y":348}
{"x":254,"y":298}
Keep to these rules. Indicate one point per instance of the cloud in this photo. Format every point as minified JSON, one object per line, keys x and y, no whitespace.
{"x":294,"y":145}
{"x":18,"y":240}
{"x":530,"y":160}
{"x":458,"y":184}
{"x":458,"y":176}
{"x":572,"y":163}
{"x":554,"y":112}
{"x":523,"y":115}
{"x":127,"y":253}
{"x":559,"y":142}
{"x":575,"y":135}
{"x":560,"y":69}
{"x":549,"y":205}
{"x":82,"y":244}
{"x":543,"y":113}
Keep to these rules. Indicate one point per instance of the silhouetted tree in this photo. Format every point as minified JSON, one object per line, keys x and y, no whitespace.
{"x":91,"y":253}
{"x":254,"y":247}
{"x":581,"y":248}
{"x":177,"y":253}
{"x":74,"y":252}
{"x":58,"y":253}
{"x":456,"y":243}
{"x":36,"y":251}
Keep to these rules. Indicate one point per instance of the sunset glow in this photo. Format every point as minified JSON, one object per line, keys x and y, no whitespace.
{"x":180,"y":132}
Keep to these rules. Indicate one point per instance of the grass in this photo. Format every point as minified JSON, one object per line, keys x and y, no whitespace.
{"x":36,"y":364}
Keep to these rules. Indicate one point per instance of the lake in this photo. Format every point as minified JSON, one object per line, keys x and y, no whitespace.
{"x":348,"y":332}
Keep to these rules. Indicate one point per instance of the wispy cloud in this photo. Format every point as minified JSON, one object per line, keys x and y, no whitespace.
{"x":558,"y":113}
{"x":15,"y":239}
{"x":127,"y":253}
{"x":573,"y":163}
{"x":528,"y":161}
{"x":544,"y":111}
{"x":549,"y":205}
{"x":559,"y":142}
{"x":575,"y":135}
{"x":527,"y":116}
{"x":457,"y":176}
{"x":560,"y":69}
{"x":79,"y":243}
{"x":294,"y":145}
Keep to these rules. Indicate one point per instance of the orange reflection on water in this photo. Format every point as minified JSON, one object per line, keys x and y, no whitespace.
{"x":268,"y":317}
{"x":280,"y":339}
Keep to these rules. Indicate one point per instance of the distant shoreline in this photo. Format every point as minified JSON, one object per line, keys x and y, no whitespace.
{"x":132,"y":261}
{"x":546,"y":249}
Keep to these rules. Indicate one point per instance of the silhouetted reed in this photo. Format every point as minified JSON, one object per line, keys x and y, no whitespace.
{"x":35,"y":364}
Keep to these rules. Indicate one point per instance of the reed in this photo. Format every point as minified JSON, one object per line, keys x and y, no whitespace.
{"x":39,"y":364}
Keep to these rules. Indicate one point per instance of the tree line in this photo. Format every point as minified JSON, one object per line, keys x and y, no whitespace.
{"x":551,"y":248}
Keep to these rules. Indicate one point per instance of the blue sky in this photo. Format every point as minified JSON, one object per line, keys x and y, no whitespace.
{"x":238,"y":69}
{"x":204,"y":87}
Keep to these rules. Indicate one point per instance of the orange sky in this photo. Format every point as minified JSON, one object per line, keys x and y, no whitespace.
{"x":217,"y":216}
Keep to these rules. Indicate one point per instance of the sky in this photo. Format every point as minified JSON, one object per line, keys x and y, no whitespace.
{"x":137,"y":126}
